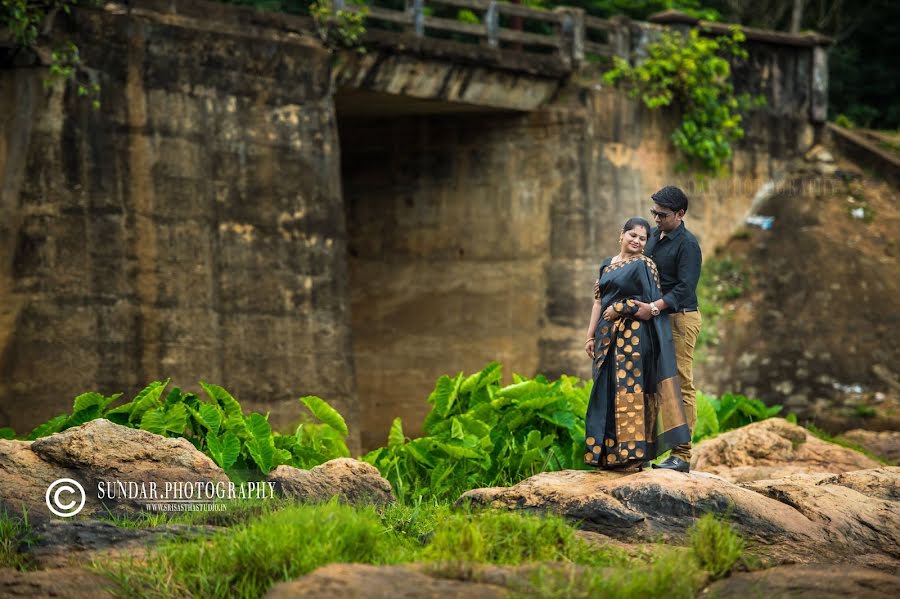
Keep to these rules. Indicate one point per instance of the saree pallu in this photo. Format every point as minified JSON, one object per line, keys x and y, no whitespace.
{"x":635,"y":411}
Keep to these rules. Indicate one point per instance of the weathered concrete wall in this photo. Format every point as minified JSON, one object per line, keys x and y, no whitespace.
{"x":477,"y":237}
{"x":191,"y":228}
{"x":195,"y":226}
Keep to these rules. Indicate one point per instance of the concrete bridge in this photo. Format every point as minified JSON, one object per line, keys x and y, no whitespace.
{"x":253,"y":209}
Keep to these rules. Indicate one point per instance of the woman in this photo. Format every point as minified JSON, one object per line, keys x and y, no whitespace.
{"x":635,"y":412}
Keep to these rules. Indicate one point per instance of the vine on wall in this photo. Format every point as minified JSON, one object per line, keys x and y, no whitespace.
{"x":694,"y":72}
{"x":29,"y":23}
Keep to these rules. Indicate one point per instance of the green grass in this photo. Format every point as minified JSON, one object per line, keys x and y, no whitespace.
{"x":248,"y":558}
{"x":716,"y":546}
{"x":245,"y":560}
{"x":669,"y":573}
{"x":14,"y":532}
{"x":506,"y":538}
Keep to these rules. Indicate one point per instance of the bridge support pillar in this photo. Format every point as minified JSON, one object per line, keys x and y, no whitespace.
{"x":571,"y":32}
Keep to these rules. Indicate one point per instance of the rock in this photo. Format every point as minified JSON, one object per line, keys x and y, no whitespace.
{"x":72,"y":583}
{"x":884,"y":444}
{"x":25,"y":478}
{"x":808,"y":581}
{"x":773,"y":448}
{"x":651,"y":505}
{"x":362,"y":581}
{"x":95,"y":452}
{"x":350,"y":480}
{"x":102,"y":450}
{"x":64,"y":543}
{"x":806,"y":518}
{"x":858,"y":512}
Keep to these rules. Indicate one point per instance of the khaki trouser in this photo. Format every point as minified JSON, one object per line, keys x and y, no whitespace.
{"x":685,"y":329}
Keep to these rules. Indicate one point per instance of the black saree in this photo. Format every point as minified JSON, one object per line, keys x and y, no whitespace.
{"x":635,"y":411}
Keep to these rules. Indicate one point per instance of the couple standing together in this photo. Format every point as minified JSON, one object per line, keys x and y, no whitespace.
{"x":641,"y":337}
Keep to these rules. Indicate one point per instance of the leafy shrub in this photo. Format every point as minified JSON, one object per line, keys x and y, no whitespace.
{"x":481,"y":434}
{"x":732,"y":410}
{"x":243,"y":445}
{"x":716,"y":546}
{"x":692,"y":71}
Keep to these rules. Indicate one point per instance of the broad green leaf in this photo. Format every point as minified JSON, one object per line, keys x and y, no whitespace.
{"x":173,"y":397}
{"x":87,"y":400}
{"x":154,"y":421}
{"x":519,"y":389}
{"x":456,"y":430}
{"x":325,"y":413}
{"x":86,"y":415}
{"x":420,"y":453}
{"x":210,"y":415}
{"x":261,"y":445}
{"x":223,"y":450}
{"x":458,"y":451}
{"x":562,"y":419}
{"x":707,"y":422}
{"x":492,"y":373}
{"x":395,"y":437}
{"x":161,"y":421}
{"x":234,"y":416}
{"x":147,"y":399}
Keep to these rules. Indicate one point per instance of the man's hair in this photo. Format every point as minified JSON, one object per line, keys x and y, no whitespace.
{"x":672,"y":198}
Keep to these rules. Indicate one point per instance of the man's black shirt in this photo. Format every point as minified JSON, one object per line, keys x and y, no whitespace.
{"x":678,"y":259}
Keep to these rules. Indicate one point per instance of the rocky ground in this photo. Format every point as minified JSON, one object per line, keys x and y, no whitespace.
{"x":823,"y":520}
{"x":820,"y":283}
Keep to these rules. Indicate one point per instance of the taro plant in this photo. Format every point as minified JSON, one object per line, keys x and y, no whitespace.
{"x":730,"y":411}
{"x":480,"y":433}
{"x":244,"y":445}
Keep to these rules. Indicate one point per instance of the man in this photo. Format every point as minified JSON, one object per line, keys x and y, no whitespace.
{"x":677,"y":255}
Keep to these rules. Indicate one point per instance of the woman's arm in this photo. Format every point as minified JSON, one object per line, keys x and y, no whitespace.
{"x":592,"y":326}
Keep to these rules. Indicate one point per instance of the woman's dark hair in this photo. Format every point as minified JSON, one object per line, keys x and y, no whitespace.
{"x":636,"y":221}
{"x":672,"y":198}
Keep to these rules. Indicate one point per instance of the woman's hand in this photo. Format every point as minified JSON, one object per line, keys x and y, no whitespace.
{"x":610,"y":315}
{"x":589,"y":348}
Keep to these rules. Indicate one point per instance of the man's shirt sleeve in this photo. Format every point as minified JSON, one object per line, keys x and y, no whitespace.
{"x":689,"y":260}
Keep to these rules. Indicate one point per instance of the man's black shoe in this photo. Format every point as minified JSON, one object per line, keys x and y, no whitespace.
{"x":674,"y":463}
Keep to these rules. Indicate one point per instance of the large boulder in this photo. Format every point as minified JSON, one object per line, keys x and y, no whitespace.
{"x":808,"y":581}
{"x":808,"y":518}
{"x":773,"y":448}
{"x":25,"y":478}
{"x":72,"y":583}
{"x":95,"y":455}
{"x":102,"y":450}
{"x":351,"y":481}
{"x":856,"y":511}
{"x":362,"y":581}
{"x":884,"y":444}
{"x":648,"y":506}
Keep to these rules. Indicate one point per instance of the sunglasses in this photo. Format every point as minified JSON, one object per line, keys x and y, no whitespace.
{"x":661,"y":215}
